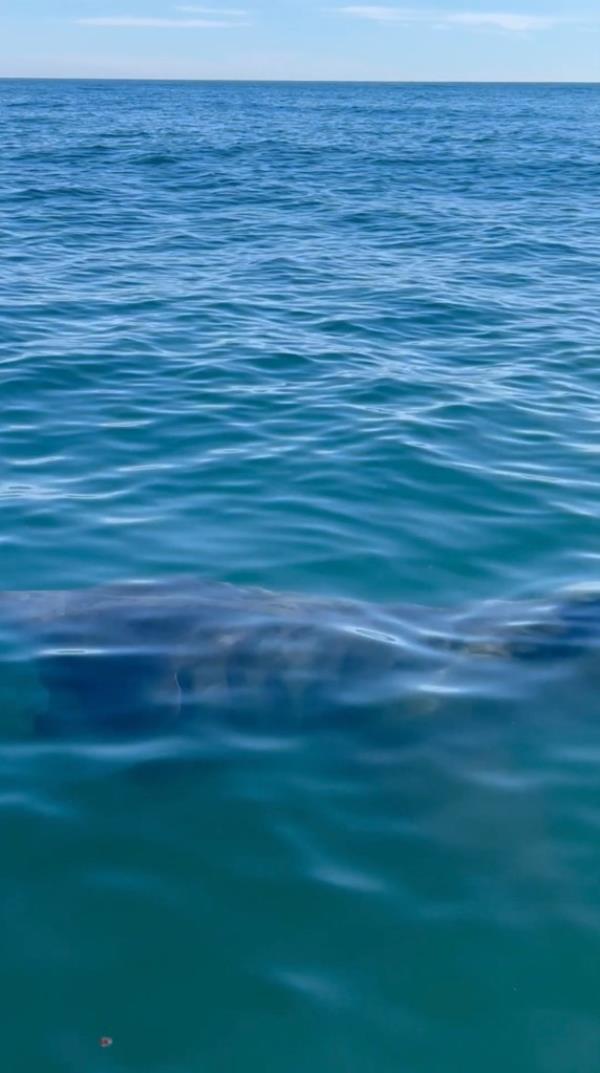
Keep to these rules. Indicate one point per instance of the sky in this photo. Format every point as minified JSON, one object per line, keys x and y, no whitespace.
{"x":528,"y":40}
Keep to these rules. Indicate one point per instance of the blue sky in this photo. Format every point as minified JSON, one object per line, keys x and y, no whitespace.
{"x":526,"y":40}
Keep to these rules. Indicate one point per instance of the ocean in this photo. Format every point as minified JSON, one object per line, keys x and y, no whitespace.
{"x":340,"y":340}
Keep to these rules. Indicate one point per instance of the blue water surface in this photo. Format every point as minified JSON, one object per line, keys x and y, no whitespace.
{"x":343,"y":340}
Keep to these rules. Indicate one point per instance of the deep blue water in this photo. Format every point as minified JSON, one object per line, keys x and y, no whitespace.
{"x":341,"y":340}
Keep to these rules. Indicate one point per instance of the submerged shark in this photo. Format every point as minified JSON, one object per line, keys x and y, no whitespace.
{"x":140,"y":658}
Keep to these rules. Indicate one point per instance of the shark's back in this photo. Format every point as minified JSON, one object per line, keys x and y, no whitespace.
{"x":150,"y":656}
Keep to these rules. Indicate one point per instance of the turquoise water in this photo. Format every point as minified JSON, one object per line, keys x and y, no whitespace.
{"x":340,"y":340}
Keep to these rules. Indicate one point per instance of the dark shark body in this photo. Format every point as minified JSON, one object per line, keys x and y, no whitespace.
{"x":142,"y":658}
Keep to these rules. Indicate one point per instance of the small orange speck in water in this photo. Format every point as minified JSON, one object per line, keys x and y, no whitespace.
{"x":105,"y":1041}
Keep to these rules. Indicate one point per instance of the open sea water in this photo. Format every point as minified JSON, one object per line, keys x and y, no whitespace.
{"x":341,"y":340}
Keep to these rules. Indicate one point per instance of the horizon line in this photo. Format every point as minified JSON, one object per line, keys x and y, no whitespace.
{"x":311,"y":81}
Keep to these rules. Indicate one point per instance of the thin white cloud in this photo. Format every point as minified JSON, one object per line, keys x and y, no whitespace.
{"x":376,"y":13}
{"x":226,"y":13}
{"x":514,"y":23}
{"x":503,"y":20}
{"x":143,"y":22}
